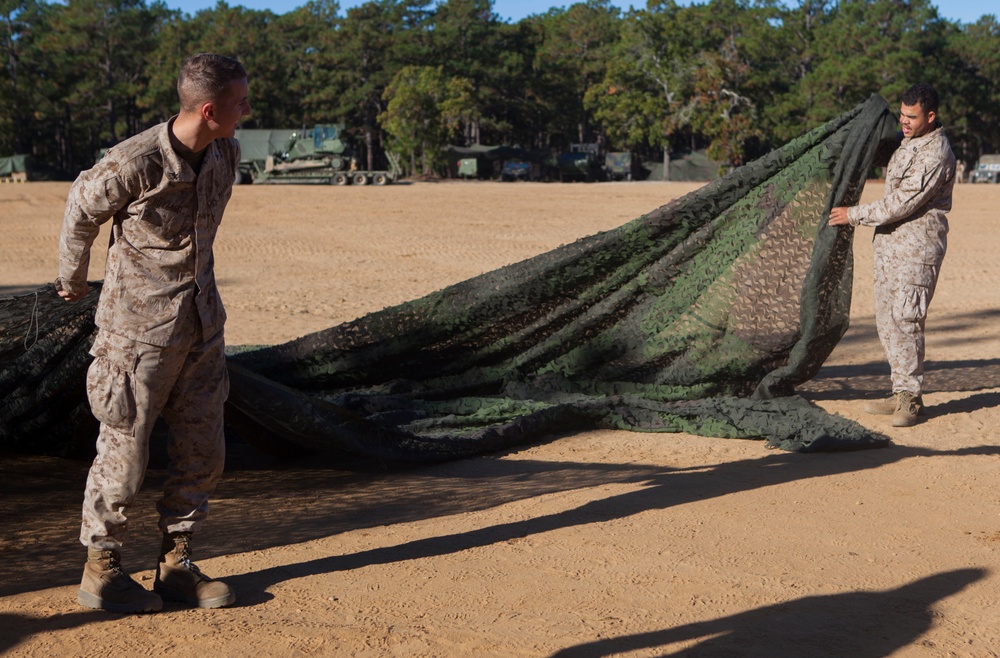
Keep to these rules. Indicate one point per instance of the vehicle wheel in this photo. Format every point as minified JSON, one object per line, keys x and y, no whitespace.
{"x":360,"y":179}
{"x":340,"y":179}
{"x":380,"y":179}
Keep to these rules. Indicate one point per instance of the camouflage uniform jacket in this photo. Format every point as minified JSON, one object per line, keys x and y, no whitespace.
{"x":918,"y":183}
{"x":165,"y":218}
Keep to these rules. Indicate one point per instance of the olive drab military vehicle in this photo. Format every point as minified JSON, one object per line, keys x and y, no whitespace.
{"x":580,"y":163}
{"x":320,"y":155}
{"x":987,"y":170}
{"x":620,"y":165}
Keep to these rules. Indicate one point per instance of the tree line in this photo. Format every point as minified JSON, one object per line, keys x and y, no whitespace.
{"x":737,"y":77}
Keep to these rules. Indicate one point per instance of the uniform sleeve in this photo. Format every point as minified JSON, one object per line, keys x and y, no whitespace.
{"x":95,"y":197}
{"x":919,"y":184}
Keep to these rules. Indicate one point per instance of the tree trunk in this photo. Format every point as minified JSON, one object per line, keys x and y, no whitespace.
{"x":666,"y":163}
{"x":369,"y":144}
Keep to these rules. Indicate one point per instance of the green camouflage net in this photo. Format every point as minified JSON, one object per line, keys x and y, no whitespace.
{"x":701,"y":316}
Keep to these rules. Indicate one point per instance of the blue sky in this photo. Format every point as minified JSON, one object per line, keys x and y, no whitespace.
{"x":966,"y":11}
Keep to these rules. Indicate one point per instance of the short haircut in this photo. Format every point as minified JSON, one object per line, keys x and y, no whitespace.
{"x":205,"y":77}
{"x":923,"y":95}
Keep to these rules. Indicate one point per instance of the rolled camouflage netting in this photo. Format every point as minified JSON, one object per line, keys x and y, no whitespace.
{"x":701,"y":316}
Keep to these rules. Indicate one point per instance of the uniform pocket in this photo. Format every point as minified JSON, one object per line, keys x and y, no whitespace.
{"x":111,"y":390}
{"x":912,"y":307}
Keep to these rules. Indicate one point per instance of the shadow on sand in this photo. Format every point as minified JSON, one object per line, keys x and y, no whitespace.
{"x":260,"y":505}
{"x":856,"y":624}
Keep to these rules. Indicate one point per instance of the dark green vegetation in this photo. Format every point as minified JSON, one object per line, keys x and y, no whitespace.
{"x":738,"y":77}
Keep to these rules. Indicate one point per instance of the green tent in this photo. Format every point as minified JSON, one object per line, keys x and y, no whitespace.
{"x":13,"y":164}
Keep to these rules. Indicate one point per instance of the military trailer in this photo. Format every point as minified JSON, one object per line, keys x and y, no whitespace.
{"x":987,"y":171}
{"x":256,"y":145}
{"x":320,"y":155}
{"x":468,"y":168}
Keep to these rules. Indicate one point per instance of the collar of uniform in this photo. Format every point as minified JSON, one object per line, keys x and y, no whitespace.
{"x":174,"y":168}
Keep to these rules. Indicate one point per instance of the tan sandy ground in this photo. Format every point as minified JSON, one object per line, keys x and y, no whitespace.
{"x":593,"y":544}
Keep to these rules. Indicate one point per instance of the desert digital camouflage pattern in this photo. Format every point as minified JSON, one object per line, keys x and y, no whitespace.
{"x":160,"y":348}
{"x":165,"y":221}
{"x":129,"y":385}
{"x":909,"y":245}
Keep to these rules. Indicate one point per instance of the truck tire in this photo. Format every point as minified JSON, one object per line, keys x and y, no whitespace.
{"x":340,"y":179}
{"x":380,"y":179}
{"x":360,"y":179}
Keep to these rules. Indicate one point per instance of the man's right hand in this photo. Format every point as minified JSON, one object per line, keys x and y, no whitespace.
{"x":838,"y":217}
{"x":70,"y":297}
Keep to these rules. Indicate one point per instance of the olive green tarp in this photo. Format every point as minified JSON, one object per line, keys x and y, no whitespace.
{"x":701,"y":316}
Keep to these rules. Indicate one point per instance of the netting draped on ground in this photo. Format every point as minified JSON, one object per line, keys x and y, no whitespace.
{"x":701,"y":316}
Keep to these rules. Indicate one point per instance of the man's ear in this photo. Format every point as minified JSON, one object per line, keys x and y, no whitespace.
{"x":208,"y":111}
{"x":931,"y":117}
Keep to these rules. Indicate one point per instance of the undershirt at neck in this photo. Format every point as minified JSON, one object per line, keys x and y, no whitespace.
{"x":187,"y":155}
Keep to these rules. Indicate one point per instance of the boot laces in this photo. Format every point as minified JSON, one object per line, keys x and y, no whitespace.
{"x":109,"y":561}
{"x":115,"y":564}
{"x":193,"y":568}
{"x":183,"y":550}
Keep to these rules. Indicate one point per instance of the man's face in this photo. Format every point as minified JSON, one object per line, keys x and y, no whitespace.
{"x":229,"y":110}
{"x":914,"y":121}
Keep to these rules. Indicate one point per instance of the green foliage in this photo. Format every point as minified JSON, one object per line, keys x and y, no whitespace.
{"x":736,"y":76}
{"x":424,"y":109}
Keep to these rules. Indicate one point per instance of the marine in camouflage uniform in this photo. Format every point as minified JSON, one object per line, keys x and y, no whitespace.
{"x":159,"y":350}
{"x":909,"y":245}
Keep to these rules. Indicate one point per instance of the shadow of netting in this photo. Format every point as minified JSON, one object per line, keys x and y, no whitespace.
{"x":262,"y":503}
{"x":872,"y":379}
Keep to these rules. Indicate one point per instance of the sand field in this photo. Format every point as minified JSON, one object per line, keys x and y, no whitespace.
{"x":595,"y":544}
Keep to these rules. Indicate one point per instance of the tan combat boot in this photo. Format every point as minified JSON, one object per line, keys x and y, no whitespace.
{"x":105,"y":586}
{"x":178,"y":579}
{"x":908,"y":407}
{"x":883,"y":407}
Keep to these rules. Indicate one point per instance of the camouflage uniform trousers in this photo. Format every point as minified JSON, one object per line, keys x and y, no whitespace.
{"x":907,"y":263}
{"x":130,"y":384}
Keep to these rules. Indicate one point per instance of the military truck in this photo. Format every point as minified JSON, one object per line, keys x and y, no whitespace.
{"x":620,"y":165}
{"x":579,"y":163}
{"x":987,"y":171}
{"x":320,"y":155}
{"x":514,"y":170}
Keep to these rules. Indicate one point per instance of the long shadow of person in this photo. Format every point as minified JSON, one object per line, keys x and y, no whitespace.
{"x":663,"y":490}
{"x":856,"y":624}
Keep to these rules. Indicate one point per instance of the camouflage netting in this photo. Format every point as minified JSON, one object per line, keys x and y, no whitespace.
{"x":701,"y":316}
